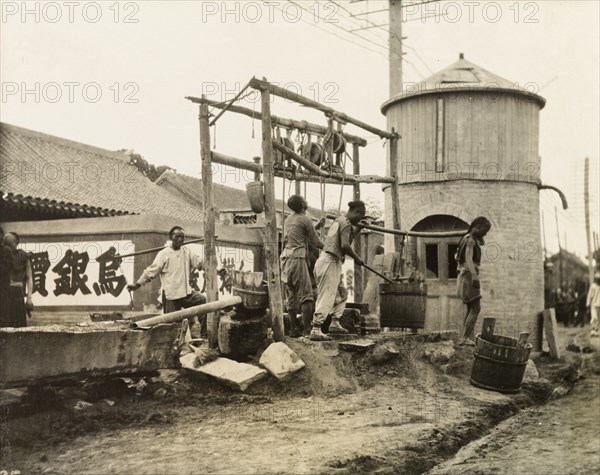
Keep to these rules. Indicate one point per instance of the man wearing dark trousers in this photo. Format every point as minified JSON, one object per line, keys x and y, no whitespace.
{"x":174,"y":264}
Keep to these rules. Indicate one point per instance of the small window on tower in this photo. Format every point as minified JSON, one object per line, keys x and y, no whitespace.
{"x":431,"y":261}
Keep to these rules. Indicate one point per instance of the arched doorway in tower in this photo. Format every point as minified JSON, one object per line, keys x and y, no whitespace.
{"x":435,"y":260}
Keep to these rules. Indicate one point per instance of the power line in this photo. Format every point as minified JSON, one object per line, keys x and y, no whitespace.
{"x":394,"y":35}
{"x":337,"y":36}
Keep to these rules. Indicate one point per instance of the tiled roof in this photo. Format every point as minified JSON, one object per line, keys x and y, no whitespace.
{"x":460,"y":75}
{"x":225,"y":197}
{"x":59,"y":208}
{"x":44,"y":170}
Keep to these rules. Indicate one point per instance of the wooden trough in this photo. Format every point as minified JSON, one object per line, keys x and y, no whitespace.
{"x":46,"y":354}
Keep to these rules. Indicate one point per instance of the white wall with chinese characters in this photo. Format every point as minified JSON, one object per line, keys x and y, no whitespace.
{"x":68,"y":274}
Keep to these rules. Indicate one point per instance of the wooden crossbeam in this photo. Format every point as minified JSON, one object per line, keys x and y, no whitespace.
{"x":337,"y":176}
{"x":300,"y":125}
{"x":305,"y":101}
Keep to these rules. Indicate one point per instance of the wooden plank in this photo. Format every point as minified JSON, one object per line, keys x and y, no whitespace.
{"x":301,"y":125}
{"x":210,"y":253}
{"x":551,"y":331}
{"x":271,"y":246}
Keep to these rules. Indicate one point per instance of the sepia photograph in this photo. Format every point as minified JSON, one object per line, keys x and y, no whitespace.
{"x":300,"y":237}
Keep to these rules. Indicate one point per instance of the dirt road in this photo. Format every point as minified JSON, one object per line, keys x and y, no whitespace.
{"x":562,"y":437}
{"x":340,"y":415}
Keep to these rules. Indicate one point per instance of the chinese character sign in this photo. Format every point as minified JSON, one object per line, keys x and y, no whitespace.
{"x":80,"y":273}
{"x":229,"y":258}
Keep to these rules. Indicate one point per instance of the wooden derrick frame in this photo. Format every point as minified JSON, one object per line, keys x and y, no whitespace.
{"x":311,"y":173}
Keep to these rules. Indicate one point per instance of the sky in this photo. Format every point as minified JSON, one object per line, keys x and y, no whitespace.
{"x":115,"y":75}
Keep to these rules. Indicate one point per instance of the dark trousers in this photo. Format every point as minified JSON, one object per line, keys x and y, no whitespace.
{"x":191,"y":300}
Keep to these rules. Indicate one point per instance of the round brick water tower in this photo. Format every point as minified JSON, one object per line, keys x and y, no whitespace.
{"x":468,"y":148}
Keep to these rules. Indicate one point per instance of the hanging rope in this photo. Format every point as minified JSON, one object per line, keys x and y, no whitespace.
{"x":322,"y":189}
{"x":253,"y":117}
{"x":283,"y":207}
{"x":342,"y":186}
{"x":341,"y":130}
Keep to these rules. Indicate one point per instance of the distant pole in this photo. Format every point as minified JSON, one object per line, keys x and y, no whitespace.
{"x":586,"y":193}
{"x":560,"y":260}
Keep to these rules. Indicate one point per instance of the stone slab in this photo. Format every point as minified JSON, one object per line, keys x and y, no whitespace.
{"x":232,"y":373}
{"x":280,"y":360}
{"x":356,"y":345}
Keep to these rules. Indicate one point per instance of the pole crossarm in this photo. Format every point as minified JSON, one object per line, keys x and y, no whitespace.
{"x":300,"y":125}
{"x":337,"y":176}
{"x":422,"y":234}
{"x":305,"y":101}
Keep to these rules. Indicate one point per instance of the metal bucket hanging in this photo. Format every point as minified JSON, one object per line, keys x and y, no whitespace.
{"x":256,"y":196}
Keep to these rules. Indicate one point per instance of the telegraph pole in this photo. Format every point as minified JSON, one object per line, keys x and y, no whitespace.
{"x":395,"y":40}
{"x":586,"y":192}
{"x":560,"y":259}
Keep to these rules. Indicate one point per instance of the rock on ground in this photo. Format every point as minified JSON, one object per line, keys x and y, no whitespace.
{"x":439,"y":352}
{"x":280,"y":360}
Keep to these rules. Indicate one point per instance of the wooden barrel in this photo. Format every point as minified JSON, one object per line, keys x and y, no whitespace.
{"x":499,"y":364}
{"x":402,"y":305}
{"x":256,"y":196}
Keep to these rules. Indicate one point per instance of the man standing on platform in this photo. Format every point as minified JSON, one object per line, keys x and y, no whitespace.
{"x":328,"y":269}
{"x":174,"y":264}
{"x":300,"y":237}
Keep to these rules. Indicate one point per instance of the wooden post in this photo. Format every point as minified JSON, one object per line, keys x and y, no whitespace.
{"x":210,"y":254}
{"x":271,"y":245}
{"x":398,"y":240}
{"x":358,"y":239}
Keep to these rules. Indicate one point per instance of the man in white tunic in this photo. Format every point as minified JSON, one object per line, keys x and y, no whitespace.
{"x":174,"y":265}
